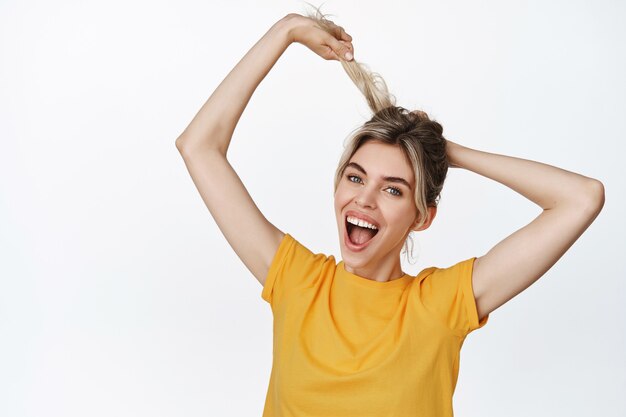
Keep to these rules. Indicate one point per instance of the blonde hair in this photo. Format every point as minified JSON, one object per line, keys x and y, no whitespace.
{"x":419,"y":137}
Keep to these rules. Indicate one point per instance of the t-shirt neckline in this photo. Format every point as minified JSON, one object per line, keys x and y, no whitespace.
{"x":349,"y":276}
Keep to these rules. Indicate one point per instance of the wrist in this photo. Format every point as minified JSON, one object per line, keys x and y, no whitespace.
{"x":285,"y":26}
{"x":452,"y":151}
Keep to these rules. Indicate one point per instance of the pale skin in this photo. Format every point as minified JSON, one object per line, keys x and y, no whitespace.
{"x":570,"y":201}
{"x":390,"y":205}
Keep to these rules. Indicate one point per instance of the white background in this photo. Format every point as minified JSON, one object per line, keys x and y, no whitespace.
{"x":119,"y":296}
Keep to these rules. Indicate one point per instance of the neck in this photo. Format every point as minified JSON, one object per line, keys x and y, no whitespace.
{"x":381,"y":272}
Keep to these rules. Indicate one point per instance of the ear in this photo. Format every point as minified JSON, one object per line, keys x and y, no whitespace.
{"x":432,"y":211}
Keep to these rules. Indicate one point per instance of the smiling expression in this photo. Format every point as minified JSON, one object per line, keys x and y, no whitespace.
{"x":379,"y":183}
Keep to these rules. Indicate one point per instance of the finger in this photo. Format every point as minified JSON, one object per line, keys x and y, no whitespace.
{"x":340,"y":48}
{"x":340,"y":33}
{"x":348,"y":44}
{"x":345,"y":36}
{"x":333,"y":55}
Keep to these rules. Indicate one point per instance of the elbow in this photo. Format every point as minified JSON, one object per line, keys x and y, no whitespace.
{"x":183,"y":146}
{"x":179,"y":144}
{"x":189,"y":148}
{"x":595,"y":196}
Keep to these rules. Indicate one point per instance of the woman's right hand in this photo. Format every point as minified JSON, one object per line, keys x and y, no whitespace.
{"x":304,"y":30}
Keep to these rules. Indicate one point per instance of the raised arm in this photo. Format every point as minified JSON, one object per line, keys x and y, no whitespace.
{"x":570,"y":203}
{"x":204,"y":143}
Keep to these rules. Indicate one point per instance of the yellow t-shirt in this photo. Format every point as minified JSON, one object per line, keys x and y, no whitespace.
{"x":348,"y":346}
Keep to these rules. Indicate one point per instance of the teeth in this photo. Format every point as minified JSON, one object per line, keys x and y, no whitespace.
{"x":361,"y":223}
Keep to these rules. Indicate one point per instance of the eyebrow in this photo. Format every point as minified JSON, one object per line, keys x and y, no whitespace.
{"x":389,"y":179}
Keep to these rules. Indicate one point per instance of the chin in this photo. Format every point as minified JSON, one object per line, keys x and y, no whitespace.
{"x":354,"y":264}
{"x":354,"y":259}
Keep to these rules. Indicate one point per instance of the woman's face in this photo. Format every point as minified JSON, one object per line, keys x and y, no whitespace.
{"x":388,"y":203}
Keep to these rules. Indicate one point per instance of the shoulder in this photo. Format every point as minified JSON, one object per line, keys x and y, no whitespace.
{"x":294,"y":265}
{"x":446,"y":272}
{"x":292,"y":251}
{"x":448,"y":291}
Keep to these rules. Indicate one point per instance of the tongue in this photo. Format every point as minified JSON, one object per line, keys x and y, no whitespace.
{"x":360,"y":235}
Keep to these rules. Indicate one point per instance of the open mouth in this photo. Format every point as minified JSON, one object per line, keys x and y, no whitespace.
{"x":359,"y":236}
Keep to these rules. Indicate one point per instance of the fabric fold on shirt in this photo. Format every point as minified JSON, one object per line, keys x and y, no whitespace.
{"x":345,"y":345}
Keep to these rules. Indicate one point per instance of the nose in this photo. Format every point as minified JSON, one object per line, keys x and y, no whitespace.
{"x":365,"y":198}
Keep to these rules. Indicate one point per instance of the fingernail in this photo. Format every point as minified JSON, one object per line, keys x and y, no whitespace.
{"x":348,"y":56}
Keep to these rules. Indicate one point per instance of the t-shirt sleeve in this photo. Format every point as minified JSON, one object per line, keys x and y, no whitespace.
{"x":294,"y":266}
{"x":448,"y":293}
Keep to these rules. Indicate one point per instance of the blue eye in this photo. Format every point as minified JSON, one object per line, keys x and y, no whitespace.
{"x":396,"y":190}
{"x":397,"y":193}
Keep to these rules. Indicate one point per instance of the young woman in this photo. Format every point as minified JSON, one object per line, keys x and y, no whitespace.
{"x":361,"y":337}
